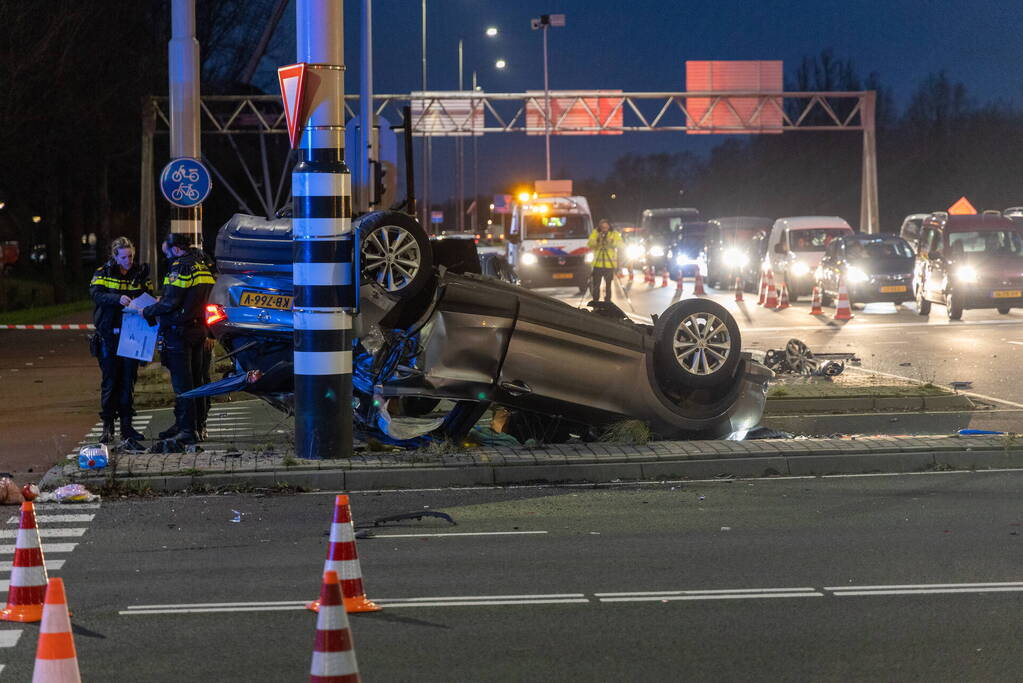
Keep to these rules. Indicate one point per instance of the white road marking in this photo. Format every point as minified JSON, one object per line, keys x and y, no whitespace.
{"x":880,"y":326}
{"x":9,"y":638}
{"x":722,"y":591}
{"x":488,"y":603}
{"x":713,"y":596}
{"x":67,"y":506}
{"x":206,"y":610}
{"x":48,"y":548}
{"x":911,"y":379}
{"x":472,"y":598}
{"x":463,"y":533}
{"x":47,"y":533}
{"x":51,"y":565}
{"x":1016,"y":343}
{"x":918,"y":586}
{"x":4,"y":585}
{"x":57,"y":519}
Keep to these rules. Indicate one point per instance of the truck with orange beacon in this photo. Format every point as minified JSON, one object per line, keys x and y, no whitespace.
{"x":547,"y":237}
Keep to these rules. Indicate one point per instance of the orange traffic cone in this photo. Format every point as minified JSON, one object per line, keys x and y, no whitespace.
{"x":632,"y":275}
{"x":698,"y":290}
{"x":664,"y":279}
{"x":816,"y":304}
{"x":333,"y":652}
{"x":784,"y":300}
{"x":771,"y":301}
{"x":843,"y":310}
{"x":343,"y":558}
{"x":56,"y":660}
{"x":28,"y":574}
{"x":762,"y":287}
{"x":738,"y":289}
{"x":680,"y":285}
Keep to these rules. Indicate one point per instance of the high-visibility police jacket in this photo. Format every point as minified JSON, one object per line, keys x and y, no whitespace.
{"x":605,"y":248}
{"x":186,"y":288}
{"x":107,"y":287}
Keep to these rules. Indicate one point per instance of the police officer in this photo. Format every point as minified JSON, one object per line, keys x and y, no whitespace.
{"x":113,"y":286}
{"x":604,"y":242}
{"x":180,"y":312}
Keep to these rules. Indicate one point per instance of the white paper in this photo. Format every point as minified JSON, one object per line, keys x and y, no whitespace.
{"x":138,"y":339}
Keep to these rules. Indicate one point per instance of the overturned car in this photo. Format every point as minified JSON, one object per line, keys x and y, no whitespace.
{"x":431,"y":327}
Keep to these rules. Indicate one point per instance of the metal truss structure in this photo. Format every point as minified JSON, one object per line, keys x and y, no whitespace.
{"x":453,"y":114}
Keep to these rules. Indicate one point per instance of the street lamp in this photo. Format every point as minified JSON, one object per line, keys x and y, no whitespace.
{"x":36,"y":219}
{"x":544,"y":22}
{"x":491,"y":31}
{"x":500,"y":64}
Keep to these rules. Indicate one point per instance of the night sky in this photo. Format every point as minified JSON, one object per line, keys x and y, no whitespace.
{"x":642,"y":46}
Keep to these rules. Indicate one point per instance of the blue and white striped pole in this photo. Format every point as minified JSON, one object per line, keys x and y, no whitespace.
{"x":325,"y":291}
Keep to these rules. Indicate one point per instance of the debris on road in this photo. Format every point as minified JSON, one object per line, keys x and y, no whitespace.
{"x":72,"y":493}
{"x":797,"y":358}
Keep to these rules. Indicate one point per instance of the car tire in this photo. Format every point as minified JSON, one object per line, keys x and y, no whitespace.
{"x":923,"y":306}
{"x":395,"y":253}
{"x":953,"y":306}
{"x":684,"y":334}
{"x":1004,"y":310}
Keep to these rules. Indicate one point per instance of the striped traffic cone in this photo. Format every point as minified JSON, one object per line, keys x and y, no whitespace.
{"x":738,"y":289}
{"x":680,"y":285}
{"x":816,"y":304}
{"x":333,"y":652}
{"x":784,"y":299}
{"x":648,"y":276}
{"x":698,"y":290}
{"x":56,"y":660}
{"x":771,"y":301}
{"x":843,"y":310}
{"x":28,"y":574}
{"x":343,"y":558}
{"x":762,"y":287}
{"x":664,"y":279}
{"x":632,"y":275}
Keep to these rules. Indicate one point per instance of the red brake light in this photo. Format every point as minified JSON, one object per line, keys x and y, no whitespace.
{"x":214,"y":314}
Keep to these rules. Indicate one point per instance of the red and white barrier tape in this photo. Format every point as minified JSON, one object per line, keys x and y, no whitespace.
{"x":82,"y":326}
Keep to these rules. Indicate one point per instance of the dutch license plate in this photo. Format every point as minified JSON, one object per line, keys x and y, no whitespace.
{"x":1007,"y":294}
{"x":562,"y":276}
{"x":266,"y":300}
{"x":891,"y":289}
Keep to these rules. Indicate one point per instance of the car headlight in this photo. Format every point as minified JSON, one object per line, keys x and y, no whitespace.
{"x":799,"y":269}
{"x":966,"y":274}
{"x":682,"y":259}
{"x":633,"y":251}
{"x":735,"y":258}
{"x":656,"y":250}
{"x":589,"y":257}
{"x":856,"y":275}
{"x":529,"y":259}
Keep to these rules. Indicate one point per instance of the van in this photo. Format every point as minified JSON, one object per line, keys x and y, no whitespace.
{"x":547,"y":242}
{"x":795,"y":247}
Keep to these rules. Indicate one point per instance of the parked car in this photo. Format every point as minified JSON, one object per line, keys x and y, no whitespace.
{"x":910,"y":230}
{"x":729,"y":247}
{"x":687,"y":252}
{"x":479,"y":341}
{"x":795,"y":248}
{"x":1014,"y":212}
{"x":658,"y":231}
{"x":753,"y":270}
{"x":873,"y":267}
{"x":971,"y":261}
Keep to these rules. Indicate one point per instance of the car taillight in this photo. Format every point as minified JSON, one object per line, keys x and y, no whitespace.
{"x":214,"y":314}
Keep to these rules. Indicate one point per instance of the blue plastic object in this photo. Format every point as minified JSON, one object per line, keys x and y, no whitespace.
{"x":94,"y":462}
{"x":971,"y":432}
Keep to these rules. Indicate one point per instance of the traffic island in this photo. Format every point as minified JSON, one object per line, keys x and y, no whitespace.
{"x":858,"y":392}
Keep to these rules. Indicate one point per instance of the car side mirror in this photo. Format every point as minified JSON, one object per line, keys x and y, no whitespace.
{"x":780,"y":249}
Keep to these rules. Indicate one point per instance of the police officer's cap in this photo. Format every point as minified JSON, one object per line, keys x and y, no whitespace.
{"x":178,"y":239}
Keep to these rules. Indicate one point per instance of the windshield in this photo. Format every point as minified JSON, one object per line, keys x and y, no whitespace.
{"x":556,"y":227}
{"x":736,"y":236}
{"x":878,"y":250}
{"x":815,"y":239}
{"x":993,"y":242}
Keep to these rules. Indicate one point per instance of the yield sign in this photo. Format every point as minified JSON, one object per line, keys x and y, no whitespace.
{"x":292,"y":79}
{"x":962,"y":207}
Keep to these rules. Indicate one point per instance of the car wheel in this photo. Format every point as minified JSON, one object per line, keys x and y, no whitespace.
{"x":1004,"y":310}
{"x":923,"y":306}
{"x":697,"y":344}
{"x":395,"y":253}
{"x":953,"y":306}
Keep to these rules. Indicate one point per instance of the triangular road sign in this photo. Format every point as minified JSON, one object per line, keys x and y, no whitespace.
{"x":962,"y":207}
{"x":292,"y":79}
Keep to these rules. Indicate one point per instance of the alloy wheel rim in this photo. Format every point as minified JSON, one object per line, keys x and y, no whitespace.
{"x":391,"y":257}
{"x":701,"y":344}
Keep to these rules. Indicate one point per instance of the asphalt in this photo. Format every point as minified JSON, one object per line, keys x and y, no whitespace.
{"x":251,"y":446}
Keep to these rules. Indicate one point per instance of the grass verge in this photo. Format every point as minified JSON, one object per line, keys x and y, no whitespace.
{"x":43,"y":314}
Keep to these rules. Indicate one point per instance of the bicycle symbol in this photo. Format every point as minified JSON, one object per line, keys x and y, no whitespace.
{"x":184,"y":173}
{"x":185,"y":191}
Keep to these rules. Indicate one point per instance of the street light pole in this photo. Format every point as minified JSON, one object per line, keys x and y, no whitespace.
{"x":460,"y":149}
{"x":427,"y":143}
{"x":545,"y":22}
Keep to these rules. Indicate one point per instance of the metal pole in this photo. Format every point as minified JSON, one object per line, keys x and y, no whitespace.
{"x":459,"y":143}
{"x":366,"y":118}
{"x":869,"y":218}
{"x":148,"y":244}
{"x":183,"y":71}
{"x":326,"y":291}
{"x":427,"y":141}
{"x":547,"y":104}
{"x":475,"y":167}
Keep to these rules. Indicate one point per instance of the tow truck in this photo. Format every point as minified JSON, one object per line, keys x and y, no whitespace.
{"x":547,"y":237}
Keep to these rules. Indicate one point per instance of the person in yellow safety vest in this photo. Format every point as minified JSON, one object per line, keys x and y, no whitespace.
{"x":604,"y":242}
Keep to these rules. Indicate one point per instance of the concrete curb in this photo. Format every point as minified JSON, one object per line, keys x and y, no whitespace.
{"x":798,"y":406}
{"x":716,"y":459}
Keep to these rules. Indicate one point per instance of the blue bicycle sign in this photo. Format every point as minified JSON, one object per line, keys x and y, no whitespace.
{"x":185,"y":182}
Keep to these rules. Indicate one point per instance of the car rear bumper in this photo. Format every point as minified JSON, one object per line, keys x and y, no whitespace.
{"x":532,"y":276}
